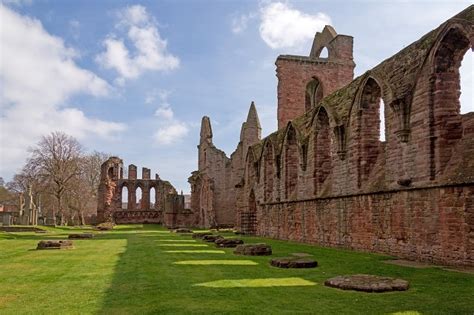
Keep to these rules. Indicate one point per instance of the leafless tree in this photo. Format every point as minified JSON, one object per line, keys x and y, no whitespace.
{"x":82,"y":199}
{"x":56,"y":162}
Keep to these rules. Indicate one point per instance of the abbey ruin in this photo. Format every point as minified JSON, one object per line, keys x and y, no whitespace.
{"x":167,"y":208}
{"x":325,"y":177}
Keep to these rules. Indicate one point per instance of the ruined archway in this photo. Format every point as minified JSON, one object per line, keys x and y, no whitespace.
{"x":269,"y":171}
{"x":444,"y":106}
{"x":322,"y":149}
{"x":291,"y":163}
{"x":249,"y":217}
{"x":124,"y":198}
{"x":138,"y":198}
{"x":153,"y":198}
{"x":368,"y":129}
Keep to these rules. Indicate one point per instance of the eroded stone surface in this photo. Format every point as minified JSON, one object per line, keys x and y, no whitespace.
{"x":327,"y":165}
{"x":293,"y":262}
{"x":55,"y":244}
{"x":81,"y":236}
{"x":200,"y":235}
{"x":367,"y":283}
{"x":228,"y":242}
{"x":259,"y":249}
{"x":211,"y":238}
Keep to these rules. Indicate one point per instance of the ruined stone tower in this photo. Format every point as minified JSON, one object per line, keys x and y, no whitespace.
{"x":303,"y":81}
{"x":213,"y":185}
{"x":167,"y":207}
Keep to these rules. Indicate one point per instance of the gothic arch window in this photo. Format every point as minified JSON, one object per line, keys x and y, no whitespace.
{"x":291,"y":164}
{"x":324,"y":53}
{"x":466,"y":73}
{"x":153,"y":198}
{"x":138,"y":196}
{"x":249,"y":218}
{"x":124,"y":199}
{"x":313,"y":94}
{"x":369,"y":133}
{"x":444,"y":105}
{"x":322,"y":149}
{"x":269,"y":171}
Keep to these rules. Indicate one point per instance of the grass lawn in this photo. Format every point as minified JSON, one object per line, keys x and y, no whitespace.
{"x":148,"y":270}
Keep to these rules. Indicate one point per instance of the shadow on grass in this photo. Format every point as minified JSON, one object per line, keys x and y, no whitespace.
{"x":149,"y":280}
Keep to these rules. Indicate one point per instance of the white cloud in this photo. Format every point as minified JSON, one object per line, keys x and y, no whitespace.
{"x":171,"y":133}
{"x":150,"y":50}
{"x":153,"y":94}
{"x":171,"y":130}
{"x":283,"y":26}
{"x":38,"y":75}
{"x":240,"y":23}
{"x":17,"y":2}
{"x":165,"y":112}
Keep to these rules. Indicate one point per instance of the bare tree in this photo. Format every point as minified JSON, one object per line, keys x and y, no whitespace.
{"x":56,"y":161}
{"x":82,"y":199}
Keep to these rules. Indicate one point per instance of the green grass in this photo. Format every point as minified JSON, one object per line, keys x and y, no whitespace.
{"x":126,"y":271}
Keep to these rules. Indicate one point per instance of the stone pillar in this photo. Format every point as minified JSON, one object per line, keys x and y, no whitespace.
{"x":146,"y":173}
{"x":132,"y":172}
{"x":145,"y":204}
{"x":132,"y":196}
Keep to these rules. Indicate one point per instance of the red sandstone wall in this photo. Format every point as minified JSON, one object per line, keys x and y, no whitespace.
{"x":293,"y":76}
{"x":432,"y":224}
{"x":409,"y":196}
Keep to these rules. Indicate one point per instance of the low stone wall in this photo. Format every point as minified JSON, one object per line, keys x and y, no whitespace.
{"x":428,"y":224}
{"x":138,"y":216}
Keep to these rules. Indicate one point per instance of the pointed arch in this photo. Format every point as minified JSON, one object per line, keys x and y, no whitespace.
{"x":322,"y":146}
{"x":124,"y":197}
{"x":368,"y":128}
{"x":139,"y":197}
{"x":445,"y":123}
{"x":291,"y":162}
{"x":313,"y":93}
{"x":269,"y":170}
{"x":152,"y":198}
{"x":324,"y":53}
{"x":249,"y":217}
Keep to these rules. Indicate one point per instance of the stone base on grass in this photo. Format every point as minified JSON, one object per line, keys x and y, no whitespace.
{"x":53,"y":244}
{"x":259,"y":249}
{"x":211,"y":238}
{"x":367,"y":283}
{"x":81,"y":236}
{"x":228,"y":242}
{"x":293,"y":262}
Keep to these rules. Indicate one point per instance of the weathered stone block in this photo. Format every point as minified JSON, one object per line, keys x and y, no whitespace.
{"x":211,"y":238}
{"x":367,"y":283}
{"x":55,"y":244}
{"x":259,"y":249}
{"x":228,"y":242}
{"x":293,"y":262}
{"x":81,"y":236}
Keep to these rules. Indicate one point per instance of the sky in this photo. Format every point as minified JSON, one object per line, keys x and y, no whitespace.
{"x":133,"y":78}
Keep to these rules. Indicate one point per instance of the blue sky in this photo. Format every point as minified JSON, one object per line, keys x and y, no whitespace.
{"x":134,"y":78}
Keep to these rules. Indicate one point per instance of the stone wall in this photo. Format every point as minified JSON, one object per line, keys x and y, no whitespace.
{"x":327,"y":177}
{"x":213,"y":185}
{"x":113,"y":184}
{"x":428,"y":224}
